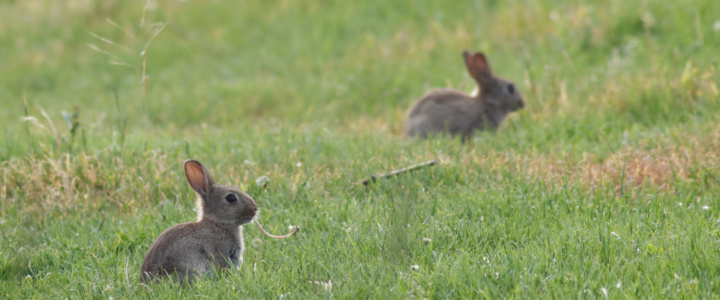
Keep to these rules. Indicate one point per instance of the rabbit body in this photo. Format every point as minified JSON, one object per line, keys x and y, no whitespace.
{"x":451,"y":110}
{"x":189,"y":250}
{"x":460,"y":114}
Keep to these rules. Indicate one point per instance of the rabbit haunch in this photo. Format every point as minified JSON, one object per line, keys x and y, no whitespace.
{"x":457,"y":113}
{"x":187,"y":251}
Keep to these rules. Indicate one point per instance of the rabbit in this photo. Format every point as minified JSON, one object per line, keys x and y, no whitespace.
{"x":189,"y":250}
{"x":460,"y":114}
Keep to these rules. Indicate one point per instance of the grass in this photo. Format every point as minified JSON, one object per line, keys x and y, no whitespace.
{"x":607,"y":184}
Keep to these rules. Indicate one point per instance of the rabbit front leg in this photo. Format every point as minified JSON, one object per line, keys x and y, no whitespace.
{"x":226,"y":257}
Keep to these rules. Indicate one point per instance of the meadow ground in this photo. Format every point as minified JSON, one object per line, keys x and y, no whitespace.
{"x":606,"y":185}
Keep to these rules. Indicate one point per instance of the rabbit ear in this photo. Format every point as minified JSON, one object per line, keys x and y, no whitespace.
{"x":198,"y":177}
{"x":478,"y":66}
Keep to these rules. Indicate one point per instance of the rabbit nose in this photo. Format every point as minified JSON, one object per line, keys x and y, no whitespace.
{"x":521,"y":104}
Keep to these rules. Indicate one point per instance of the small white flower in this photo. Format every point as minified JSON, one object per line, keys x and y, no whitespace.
{"x":618,"y":285}
{"x":648,"y":19}
{"x":325,"y":285}
{"x":426,"y":240}
{"x":414,"y":267}
{"x":151,"y":5}
{"x":705,"y":207}
{"x":680,"y":204}
{"x":554,"y":15}
{"x":262,"y":181}
{"x":299,"y":164}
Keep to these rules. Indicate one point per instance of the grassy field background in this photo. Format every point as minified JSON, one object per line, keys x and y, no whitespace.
{"x":606,"y":185}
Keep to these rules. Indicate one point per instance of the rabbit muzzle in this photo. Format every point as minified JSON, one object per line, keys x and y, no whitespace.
{"x":248,"y":213}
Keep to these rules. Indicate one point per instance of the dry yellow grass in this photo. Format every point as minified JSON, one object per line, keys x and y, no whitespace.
{"x":66,"y":183}
{"x":660,"y":166}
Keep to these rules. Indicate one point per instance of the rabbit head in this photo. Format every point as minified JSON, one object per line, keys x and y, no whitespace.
{"x":218,"y":203}
{"x":496,"y":92}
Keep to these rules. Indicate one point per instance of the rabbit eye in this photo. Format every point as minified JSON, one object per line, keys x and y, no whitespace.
{"x":511,"y":88}
{"x":230,"y":198}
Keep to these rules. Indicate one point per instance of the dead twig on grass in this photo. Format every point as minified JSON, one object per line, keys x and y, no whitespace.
{"x":395,"y":173}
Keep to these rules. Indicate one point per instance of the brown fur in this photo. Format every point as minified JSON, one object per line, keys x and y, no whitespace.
{"x":214,"y":242}
{"x":459,"y":114}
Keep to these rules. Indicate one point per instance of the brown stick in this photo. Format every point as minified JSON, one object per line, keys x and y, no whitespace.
{"x":395,"y":173}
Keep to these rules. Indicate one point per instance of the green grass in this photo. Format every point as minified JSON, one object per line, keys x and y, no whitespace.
{"x":607,"y":182}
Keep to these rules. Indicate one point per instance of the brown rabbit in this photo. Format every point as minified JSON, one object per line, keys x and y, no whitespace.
{"x":214,"y":242}
{"x":457,"y":113}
